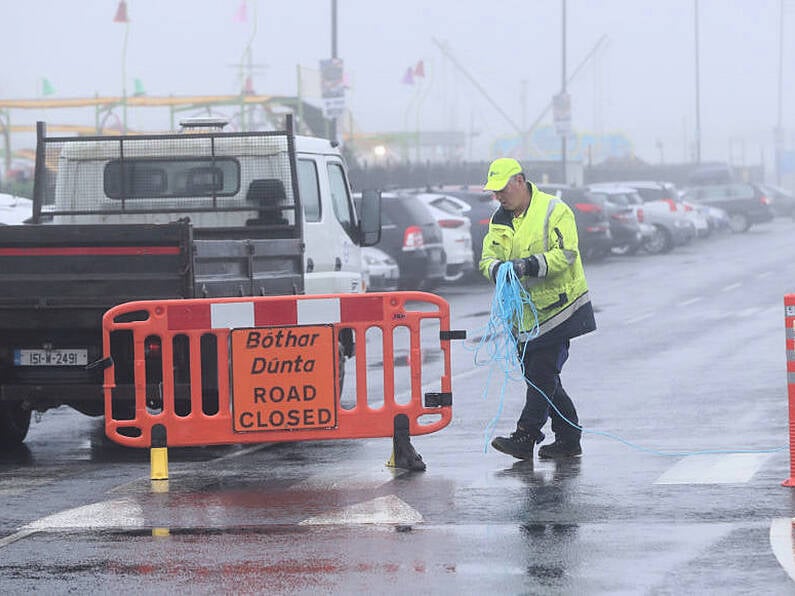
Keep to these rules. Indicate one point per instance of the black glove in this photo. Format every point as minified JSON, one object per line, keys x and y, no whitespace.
{"x":527,"y":266}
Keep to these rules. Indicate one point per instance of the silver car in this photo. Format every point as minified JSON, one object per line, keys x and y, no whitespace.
{"x":662,"y":209}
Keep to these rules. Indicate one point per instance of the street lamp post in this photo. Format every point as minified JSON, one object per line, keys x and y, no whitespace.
{"x":563,"y":94}
{"x":698,"y":90}
{"x":333,"y":123}
{"x":121,"y":17}
{"x":779,"y":140}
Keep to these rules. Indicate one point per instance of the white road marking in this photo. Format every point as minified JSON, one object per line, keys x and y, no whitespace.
{"x":119,"y":513}
{"x":388,"y":510}
{"x":639,"y":318}
{"x":781,"y":529}
{"x":731,"y":287}
{"x":692,"y":301}
{"x":729,"y":468}
{"x":749,"y":312}
{"x":764,"y":274}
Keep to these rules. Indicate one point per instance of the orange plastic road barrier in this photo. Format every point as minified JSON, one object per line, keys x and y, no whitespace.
{"x":789,"y":321}
{"x":265,"y":369}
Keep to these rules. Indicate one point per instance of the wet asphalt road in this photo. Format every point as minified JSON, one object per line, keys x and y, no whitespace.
{"x":689,"y":357}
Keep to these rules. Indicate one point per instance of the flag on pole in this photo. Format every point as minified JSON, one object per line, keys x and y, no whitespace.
{"x":419,"y":69}
{"x":240,"y":15}
{"x":408,"y":78}
{"x":47,"y":88}
{"x":139,"y":88}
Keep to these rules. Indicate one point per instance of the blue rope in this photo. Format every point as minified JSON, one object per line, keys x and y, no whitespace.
{"x":499,"y":342}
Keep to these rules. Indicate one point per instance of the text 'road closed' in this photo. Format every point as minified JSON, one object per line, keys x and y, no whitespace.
{"x":284,"y":378}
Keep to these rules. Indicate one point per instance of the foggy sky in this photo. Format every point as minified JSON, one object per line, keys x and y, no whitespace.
{"x":642,"y":83}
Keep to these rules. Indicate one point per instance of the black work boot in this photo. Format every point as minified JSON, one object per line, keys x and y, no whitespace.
{"x":520,"y":444}
{"x":560,"y":449}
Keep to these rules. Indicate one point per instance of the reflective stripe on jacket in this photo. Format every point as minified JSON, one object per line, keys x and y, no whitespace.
{"x":548,"y":231}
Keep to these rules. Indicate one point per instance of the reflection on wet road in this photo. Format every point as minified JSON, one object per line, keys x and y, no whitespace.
{"x":81,"y":514}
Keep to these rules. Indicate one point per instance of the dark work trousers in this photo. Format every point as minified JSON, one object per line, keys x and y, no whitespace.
{"x":542,"y":366}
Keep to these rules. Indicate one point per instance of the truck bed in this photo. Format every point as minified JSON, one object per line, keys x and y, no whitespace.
{"x":65,"y":266}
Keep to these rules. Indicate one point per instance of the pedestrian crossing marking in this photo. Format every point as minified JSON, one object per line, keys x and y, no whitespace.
{"x":718,"y":468}
{"x":388,"y":510}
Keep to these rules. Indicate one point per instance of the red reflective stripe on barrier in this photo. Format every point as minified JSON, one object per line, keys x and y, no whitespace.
{"x":188,"y":316}
{"x":368,"y":308}
{"x":275,"y":313}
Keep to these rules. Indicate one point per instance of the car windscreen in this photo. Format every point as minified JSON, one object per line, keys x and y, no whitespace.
{"x":408,"y":210}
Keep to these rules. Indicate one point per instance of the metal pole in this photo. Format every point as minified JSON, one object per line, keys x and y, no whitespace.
{"x":698,"y":88}
{"x":124,"y":79}
{"x":333,"y":28}
{"x":523,"y":99}
{"x":333,"y":123}
{"x":779,"y":132}
{"x":577,"y":70}
{"x":563,"y":92}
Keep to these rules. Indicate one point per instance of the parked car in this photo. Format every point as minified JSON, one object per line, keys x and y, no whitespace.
{"x":745,"y":203}
{"x":456,"y":236}
{"x":379,"y":271}
{"x":783,"y":199}
{"x":593,"y":227}
{"x":411,"y":236}
{"x":697,"y":217}
{"x":715,"y":218}
{"x":662,"y":209}
{"x":625,"y":214}
{"x":482,"y":206}
{"x":14,"y":210}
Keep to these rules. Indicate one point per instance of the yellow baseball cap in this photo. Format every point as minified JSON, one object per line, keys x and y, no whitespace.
{"x":500,"y":171}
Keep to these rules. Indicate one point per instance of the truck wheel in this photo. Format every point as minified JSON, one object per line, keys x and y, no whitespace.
{"x":14,"y":423}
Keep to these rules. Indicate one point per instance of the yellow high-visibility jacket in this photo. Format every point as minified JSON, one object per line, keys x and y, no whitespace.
{"x":546,"y":230}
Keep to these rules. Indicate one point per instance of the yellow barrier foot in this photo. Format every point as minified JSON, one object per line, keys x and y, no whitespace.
{"x":158,"y":454}
{"x":158,"y":460}
{"x":404,"y":455}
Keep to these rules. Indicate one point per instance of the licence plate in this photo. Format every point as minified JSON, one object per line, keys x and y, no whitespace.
{"x":60,"y":357}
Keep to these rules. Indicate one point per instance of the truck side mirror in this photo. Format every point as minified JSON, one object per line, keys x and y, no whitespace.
{"x":370,"y":217}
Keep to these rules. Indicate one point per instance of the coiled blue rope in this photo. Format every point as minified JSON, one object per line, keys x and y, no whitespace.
{"x":499,"y":343}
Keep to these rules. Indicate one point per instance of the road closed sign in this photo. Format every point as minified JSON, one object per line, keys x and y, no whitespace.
{"x":284,"y":378}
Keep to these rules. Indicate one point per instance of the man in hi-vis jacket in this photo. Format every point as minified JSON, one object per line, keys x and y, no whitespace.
{"x":536,"y":232}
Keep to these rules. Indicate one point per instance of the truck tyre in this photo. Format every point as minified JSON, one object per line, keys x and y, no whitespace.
{"x":14,"y":423}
